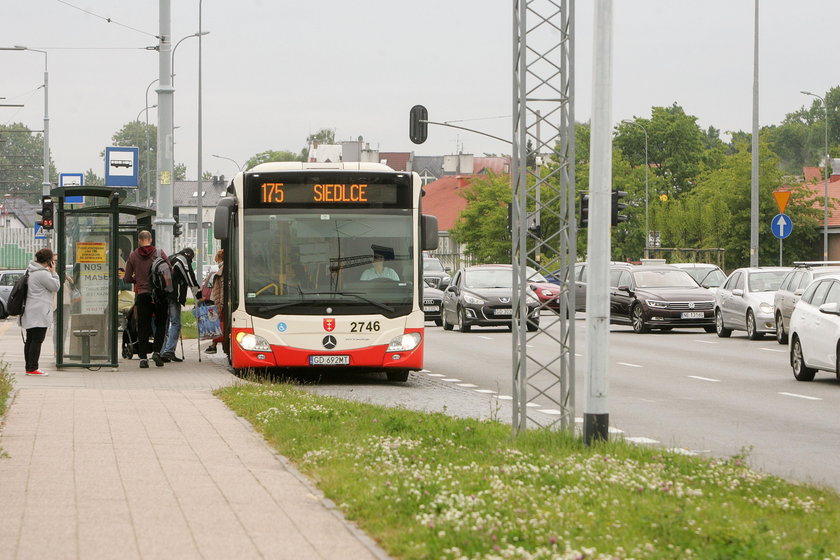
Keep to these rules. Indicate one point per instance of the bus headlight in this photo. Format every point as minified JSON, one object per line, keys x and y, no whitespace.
{"x":252,"y":342}
{"x":405,"y":342}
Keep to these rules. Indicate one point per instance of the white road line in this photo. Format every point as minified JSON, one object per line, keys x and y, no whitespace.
{"x":451,"y":379}
{"x":467,"y":385}
{"x":774,"y":350}
{"x":485,"y":391}
{"x":485,"y":337}
{"x":806,"y":397}
{"x":578,"y":355}
{"x":532,"y":405}
{"x":551,"y":411}
{"x":435,"y":375}
{"x":628,"y":365}
{"x":706,"y":341}
{"x":505,"y":398}
{"x":709,"y":379}
{"x":641,"y":439}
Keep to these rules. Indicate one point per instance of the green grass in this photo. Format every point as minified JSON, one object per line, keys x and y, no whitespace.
{"x":432,"y":486}
{"x":189,"y":328}
{"x":7,"y":380}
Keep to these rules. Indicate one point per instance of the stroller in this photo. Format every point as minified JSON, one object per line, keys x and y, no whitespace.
{"x":129,"y":329}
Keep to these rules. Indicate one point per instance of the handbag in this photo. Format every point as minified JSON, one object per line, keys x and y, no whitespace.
{"x":207,"y":320}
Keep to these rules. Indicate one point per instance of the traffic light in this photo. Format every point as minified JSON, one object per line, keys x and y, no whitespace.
{"x":418,"y":126}
{"x":46,"y":212}
{"x":177,"y":229}
{"x":615,"y":217}
{"x":584,"y":210}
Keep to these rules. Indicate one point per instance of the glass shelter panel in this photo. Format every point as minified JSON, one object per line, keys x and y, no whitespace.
{"x":86,"y":289}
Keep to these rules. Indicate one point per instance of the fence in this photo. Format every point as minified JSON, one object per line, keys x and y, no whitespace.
{"x":18,"y":245}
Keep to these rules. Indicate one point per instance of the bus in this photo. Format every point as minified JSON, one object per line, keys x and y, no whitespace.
{"x":324,"y":267}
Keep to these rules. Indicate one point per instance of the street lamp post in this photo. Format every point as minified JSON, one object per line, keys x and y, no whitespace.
{"x":146,"y":175}
{"x":647,"y":168}
{"x":229,"y":159}
{"x":825,"y":201}
{"x":200,"y":193}
{"x":46,"y":185}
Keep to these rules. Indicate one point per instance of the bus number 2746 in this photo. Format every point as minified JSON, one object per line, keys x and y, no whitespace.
{"x":364,"y":326}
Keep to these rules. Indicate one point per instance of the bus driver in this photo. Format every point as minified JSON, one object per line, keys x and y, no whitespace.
{"x":379,"y":270}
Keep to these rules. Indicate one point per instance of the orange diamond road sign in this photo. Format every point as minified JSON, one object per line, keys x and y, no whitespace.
{"x":782,"y":198}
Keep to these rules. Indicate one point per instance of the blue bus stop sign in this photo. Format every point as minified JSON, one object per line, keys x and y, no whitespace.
{"x":781,"y":226}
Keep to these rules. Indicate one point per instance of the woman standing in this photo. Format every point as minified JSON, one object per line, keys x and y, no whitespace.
{"x":217,"y":295}
{"x":38,"y":315}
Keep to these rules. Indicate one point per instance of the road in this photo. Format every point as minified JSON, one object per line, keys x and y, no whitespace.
{"x":684,"y":389}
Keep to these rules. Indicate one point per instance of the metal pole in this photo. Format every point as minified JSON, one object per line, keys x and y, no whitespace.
{"x":596,"y":415}
{"x":754,"y":181}
{"x":229,"y":159}
{"x":825,"y":173}
{"x":46,"y":187}
{"x":163,"y":219}
{"x":148,"y":164}
{"x":200,"y":195}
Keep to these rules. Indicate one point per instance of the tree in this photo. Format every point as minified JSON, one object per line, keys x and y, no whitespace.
{"x":323,"y":136}
{"x":271,"y":155}
{"x":483,"y":225}
{"x":22,"y":162}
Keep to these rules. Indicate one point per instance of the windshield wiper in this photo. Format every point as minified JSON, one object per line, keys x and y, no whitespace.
{"x":382,"y":306}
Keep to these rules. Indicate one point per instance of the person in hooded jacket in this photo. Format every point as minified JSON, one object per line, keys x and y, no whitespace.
{"x":183,"y":279}
{"x":38,"y":314}
{"x":137,"y":271}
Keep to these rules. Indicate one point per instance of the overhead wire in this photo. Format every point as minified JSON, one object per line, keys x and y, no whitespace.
{"x":107,"y":19}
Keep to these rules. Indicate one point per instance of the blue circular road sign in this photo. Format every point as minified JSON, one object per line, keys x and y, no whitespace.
{"x":781,"y":225}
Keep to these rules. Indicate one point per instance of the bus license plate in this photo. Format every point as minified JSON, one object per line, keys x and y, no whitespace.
{"x":507,"y":311}
{"x":692,"y":315}
{"x":330,"y":360}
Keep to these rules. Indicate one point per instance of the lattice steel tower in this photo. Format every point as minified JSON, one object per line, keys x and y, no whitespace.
{"x":543,"y":211}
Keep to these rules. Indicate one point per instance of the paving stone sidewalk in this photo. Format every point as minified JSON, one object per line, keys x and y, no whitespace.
{"x":149,"y":464}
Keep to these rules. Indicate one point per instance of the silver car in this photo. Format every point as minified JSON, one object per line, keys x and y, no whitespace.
{"x":745,"y":301}
{"x":7,"y":282}
{"x":709,"y":276}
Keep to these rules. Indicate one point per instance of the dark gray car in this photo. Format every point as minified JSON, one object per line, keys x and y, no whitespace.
{"x":435,"y":275}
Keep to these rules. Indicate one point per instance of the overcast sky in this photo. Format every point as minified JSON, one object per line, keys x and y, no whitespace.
{"x":275,"y":71}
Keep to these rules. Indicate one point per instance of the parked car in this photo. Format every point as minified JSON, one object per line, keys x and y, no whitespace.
{"x":432,"y":301}
{"x":435,"y":275}
{"x":482,"y":295}
{"x":7,"y":282}
{"x":815,"y":329}
{"x":792,"y":287}
{"x":658,"y":297}
{"x":745,"y":301}
{"x":707,"y":275}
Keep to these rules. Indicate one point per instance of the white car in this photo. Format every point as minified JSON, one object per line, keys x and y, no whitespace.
{"x":815,"y":329}
{"x":745,"y":301}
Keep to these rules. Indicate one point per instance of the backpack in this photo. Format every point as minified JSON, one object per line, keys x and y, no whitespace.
{"x":160,"y":278}
{"x":16,"y":303}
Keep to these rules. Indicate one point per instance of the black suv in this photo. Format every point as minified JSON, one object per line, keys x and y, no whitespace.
{"x":659,"y":297}
{"x":435,"y":275}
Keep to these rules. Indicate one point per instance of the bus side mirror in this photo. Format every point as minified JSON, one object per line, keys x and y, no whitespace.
{"x":221,"y":221}
{"x":429,"y":231}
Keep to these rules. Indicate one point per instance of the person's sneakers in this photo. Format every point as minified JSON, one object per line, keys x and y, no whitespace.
{"x":38,"y":373}
{"x":157,"y":359}
{"x":170,"y":357}
{"x":144,"y":363}
{"x":210,"y":350}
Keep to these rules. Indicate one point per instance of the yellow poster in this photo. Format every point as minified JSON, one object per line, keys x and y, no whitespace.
{"x":91,"y":252}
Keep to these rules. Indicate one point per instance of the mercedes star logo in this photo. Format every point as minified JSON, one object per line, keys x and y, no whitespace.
{"x":329,"y":342}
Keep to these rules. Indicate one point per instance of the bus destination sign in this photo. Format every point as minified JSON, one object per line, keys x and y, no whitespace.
{"x":276,"y":194}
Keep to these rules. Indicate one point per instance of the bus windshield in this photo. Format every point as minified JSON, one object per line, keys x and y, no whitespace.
{"x":305,"y":261}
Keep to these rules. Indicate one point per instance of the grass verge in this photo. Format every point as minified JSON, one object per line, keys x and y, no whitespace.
{"x":7,"y":381}
{"x":433,"y":486}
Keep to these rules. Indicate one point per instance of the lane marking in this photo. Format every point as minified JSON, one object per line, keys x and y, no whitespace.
{"x":774,"y":350}
{"x":706,"y":341}
{"x":485,"y":391}
{"x":641,"y":439}
{"x":505,"y":398}
{"x":628,"y":364}
{"x":709,"y":379}
{"x":435,"y":375}
{"x":451,"y":379}
{"x":806,"y":397}
{"x":468,"y":385}
{"x":550,"y":411}
{"x":485,"y":337}
{"x":532,"y":405}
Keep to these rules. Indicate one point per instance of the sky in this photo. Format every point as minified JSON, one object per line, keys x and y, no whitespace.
{"x":274,"y":71}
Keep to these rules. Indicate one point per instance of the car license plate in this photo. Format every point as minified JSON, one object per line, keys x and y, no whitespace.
{"x":507,"y":311}
{"x":329,"y":360}
{"x":430,"y":308}
{"x":693,"y":315}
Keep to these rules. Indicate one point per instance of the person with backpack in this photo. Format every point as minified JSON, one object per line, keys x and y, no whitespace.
{"x":37,"y":315}
{"x":183,"y":278}
{"x":150,"y":306}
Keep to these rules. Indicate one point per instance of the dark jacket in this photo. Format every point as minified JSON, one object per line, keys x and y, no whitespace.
{"x":183,"y":277}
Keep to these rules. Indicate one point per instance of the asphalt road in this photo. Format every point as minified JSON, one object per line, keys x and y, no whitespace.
{"x":684,"y":389}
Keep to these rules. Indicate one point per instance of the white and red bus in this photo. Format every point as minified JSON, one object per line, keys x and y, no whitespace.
{"x":324,"y":267}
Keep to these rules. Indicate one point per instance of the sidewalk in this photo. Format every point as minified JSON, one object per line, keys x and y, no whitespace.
{"x":147,"y":463}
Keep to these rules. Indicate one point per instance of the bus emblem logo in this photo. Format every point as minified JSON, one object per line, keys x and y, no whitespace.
{"x":329,"y":325}
{"x":329,"y":342}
